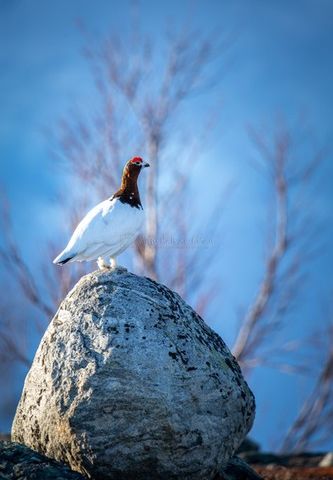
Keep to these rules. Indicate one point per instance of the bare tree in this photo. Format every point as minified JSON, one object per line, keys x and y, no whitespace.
{"x":313,"y":424}
{"x":291,"y":167}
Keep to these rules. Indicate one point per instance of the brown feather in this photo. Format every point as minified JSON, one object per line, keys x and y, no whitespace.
{"x":128,"y":191}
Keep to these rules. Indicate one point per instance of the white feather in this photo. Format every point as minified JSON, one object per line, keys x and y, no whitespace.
{"x":107,"y":230}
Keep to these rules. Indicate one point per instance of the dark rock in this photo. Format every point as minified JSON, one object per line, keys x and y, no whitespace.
{"x":248,"y":445}
{"x":327,"y":460}
{"x":18,"y":462}
{"x":237,"y":469}
{"x":293,"y":460}
{"x":130,"y":383}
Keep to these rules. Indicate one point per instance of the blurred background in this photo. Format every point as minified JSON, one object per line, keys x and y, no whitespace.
{"x":231,"y":103}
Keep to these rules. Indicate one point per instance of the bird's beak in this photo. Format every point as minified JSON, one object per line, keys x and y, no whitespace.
{"x":146,"y":165}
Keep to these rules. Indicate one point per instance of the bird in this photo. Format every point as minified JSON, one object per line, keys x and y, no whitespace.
{"x":111,"y":226}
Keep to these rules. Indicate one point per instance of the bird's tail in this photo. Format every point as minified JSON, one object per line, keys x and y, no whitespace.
{"x":63,"y":258}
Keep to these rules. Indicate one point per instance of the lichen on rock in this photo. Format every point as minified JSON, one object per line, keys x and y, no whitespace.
{"x":129,"y":382}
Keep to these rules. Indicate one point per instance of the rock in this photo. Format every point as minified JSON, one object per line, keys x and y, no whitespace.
{"x":4,"y":436}
{"x":248,"y":445}
{"x":237,"y":469}
{"x":327,"y":461}
{"x":18,"y":462}
{"x":263,"y":458}
{"x":130,"y":383}
{"x":305,"y":459}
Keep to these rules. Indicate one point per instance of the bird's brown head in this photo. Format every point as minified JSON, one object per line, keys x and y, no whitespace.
{"x":133,"y":167}
{"x":128,"y":191}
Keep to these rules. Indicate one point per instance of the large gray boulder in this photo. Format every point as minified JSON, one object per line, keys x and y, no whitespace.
{"x":130,"y":383}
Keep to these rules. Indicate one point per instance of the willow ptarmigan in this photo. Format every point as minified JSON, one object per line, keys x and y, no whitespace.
{"x":110,"y":227}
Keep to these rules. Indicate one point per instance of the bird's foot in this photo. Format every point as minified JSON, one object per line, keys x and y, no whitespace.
{"x":113,"y":263}
{"x":102,"y":264}
{"x":115,"y":267}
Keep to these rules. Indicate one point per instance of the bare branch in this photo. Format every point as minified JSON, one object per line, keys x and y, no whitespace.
{"x":283,"y":276}
{"x":246,"y":336}
{"x":314,"y":421}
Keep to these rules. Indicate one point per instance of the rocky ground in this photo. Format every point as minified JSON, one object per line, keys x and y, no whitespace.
{"x":18,"y":462}
{"x":304,"y":466}
{"x":294,"y":473}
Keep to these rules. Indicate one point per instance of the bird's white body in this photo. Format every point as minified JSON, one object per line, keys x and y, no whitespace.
{"x":106,"y":231}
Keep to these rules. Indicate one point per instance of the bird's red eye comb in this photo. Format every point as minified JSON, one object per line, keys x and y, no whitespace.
{"x":136,"y":160}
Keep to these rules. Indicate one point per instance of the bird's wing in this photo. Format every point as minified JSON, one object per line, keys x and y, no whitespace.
{"x":105,"y":229}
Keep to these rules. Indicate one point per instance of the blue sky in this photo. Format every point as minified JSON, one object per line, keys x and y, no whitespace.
{"x":280,"y":61}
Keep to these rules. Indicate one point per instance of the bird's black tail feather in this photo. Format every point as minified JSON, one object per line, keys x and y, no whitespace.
{"x":62,"y":262}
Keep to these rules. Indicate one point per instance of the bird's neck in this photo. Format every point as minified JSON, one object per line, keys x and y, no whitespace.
{"x":129,"y":183}
{"x":128,"y":191}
